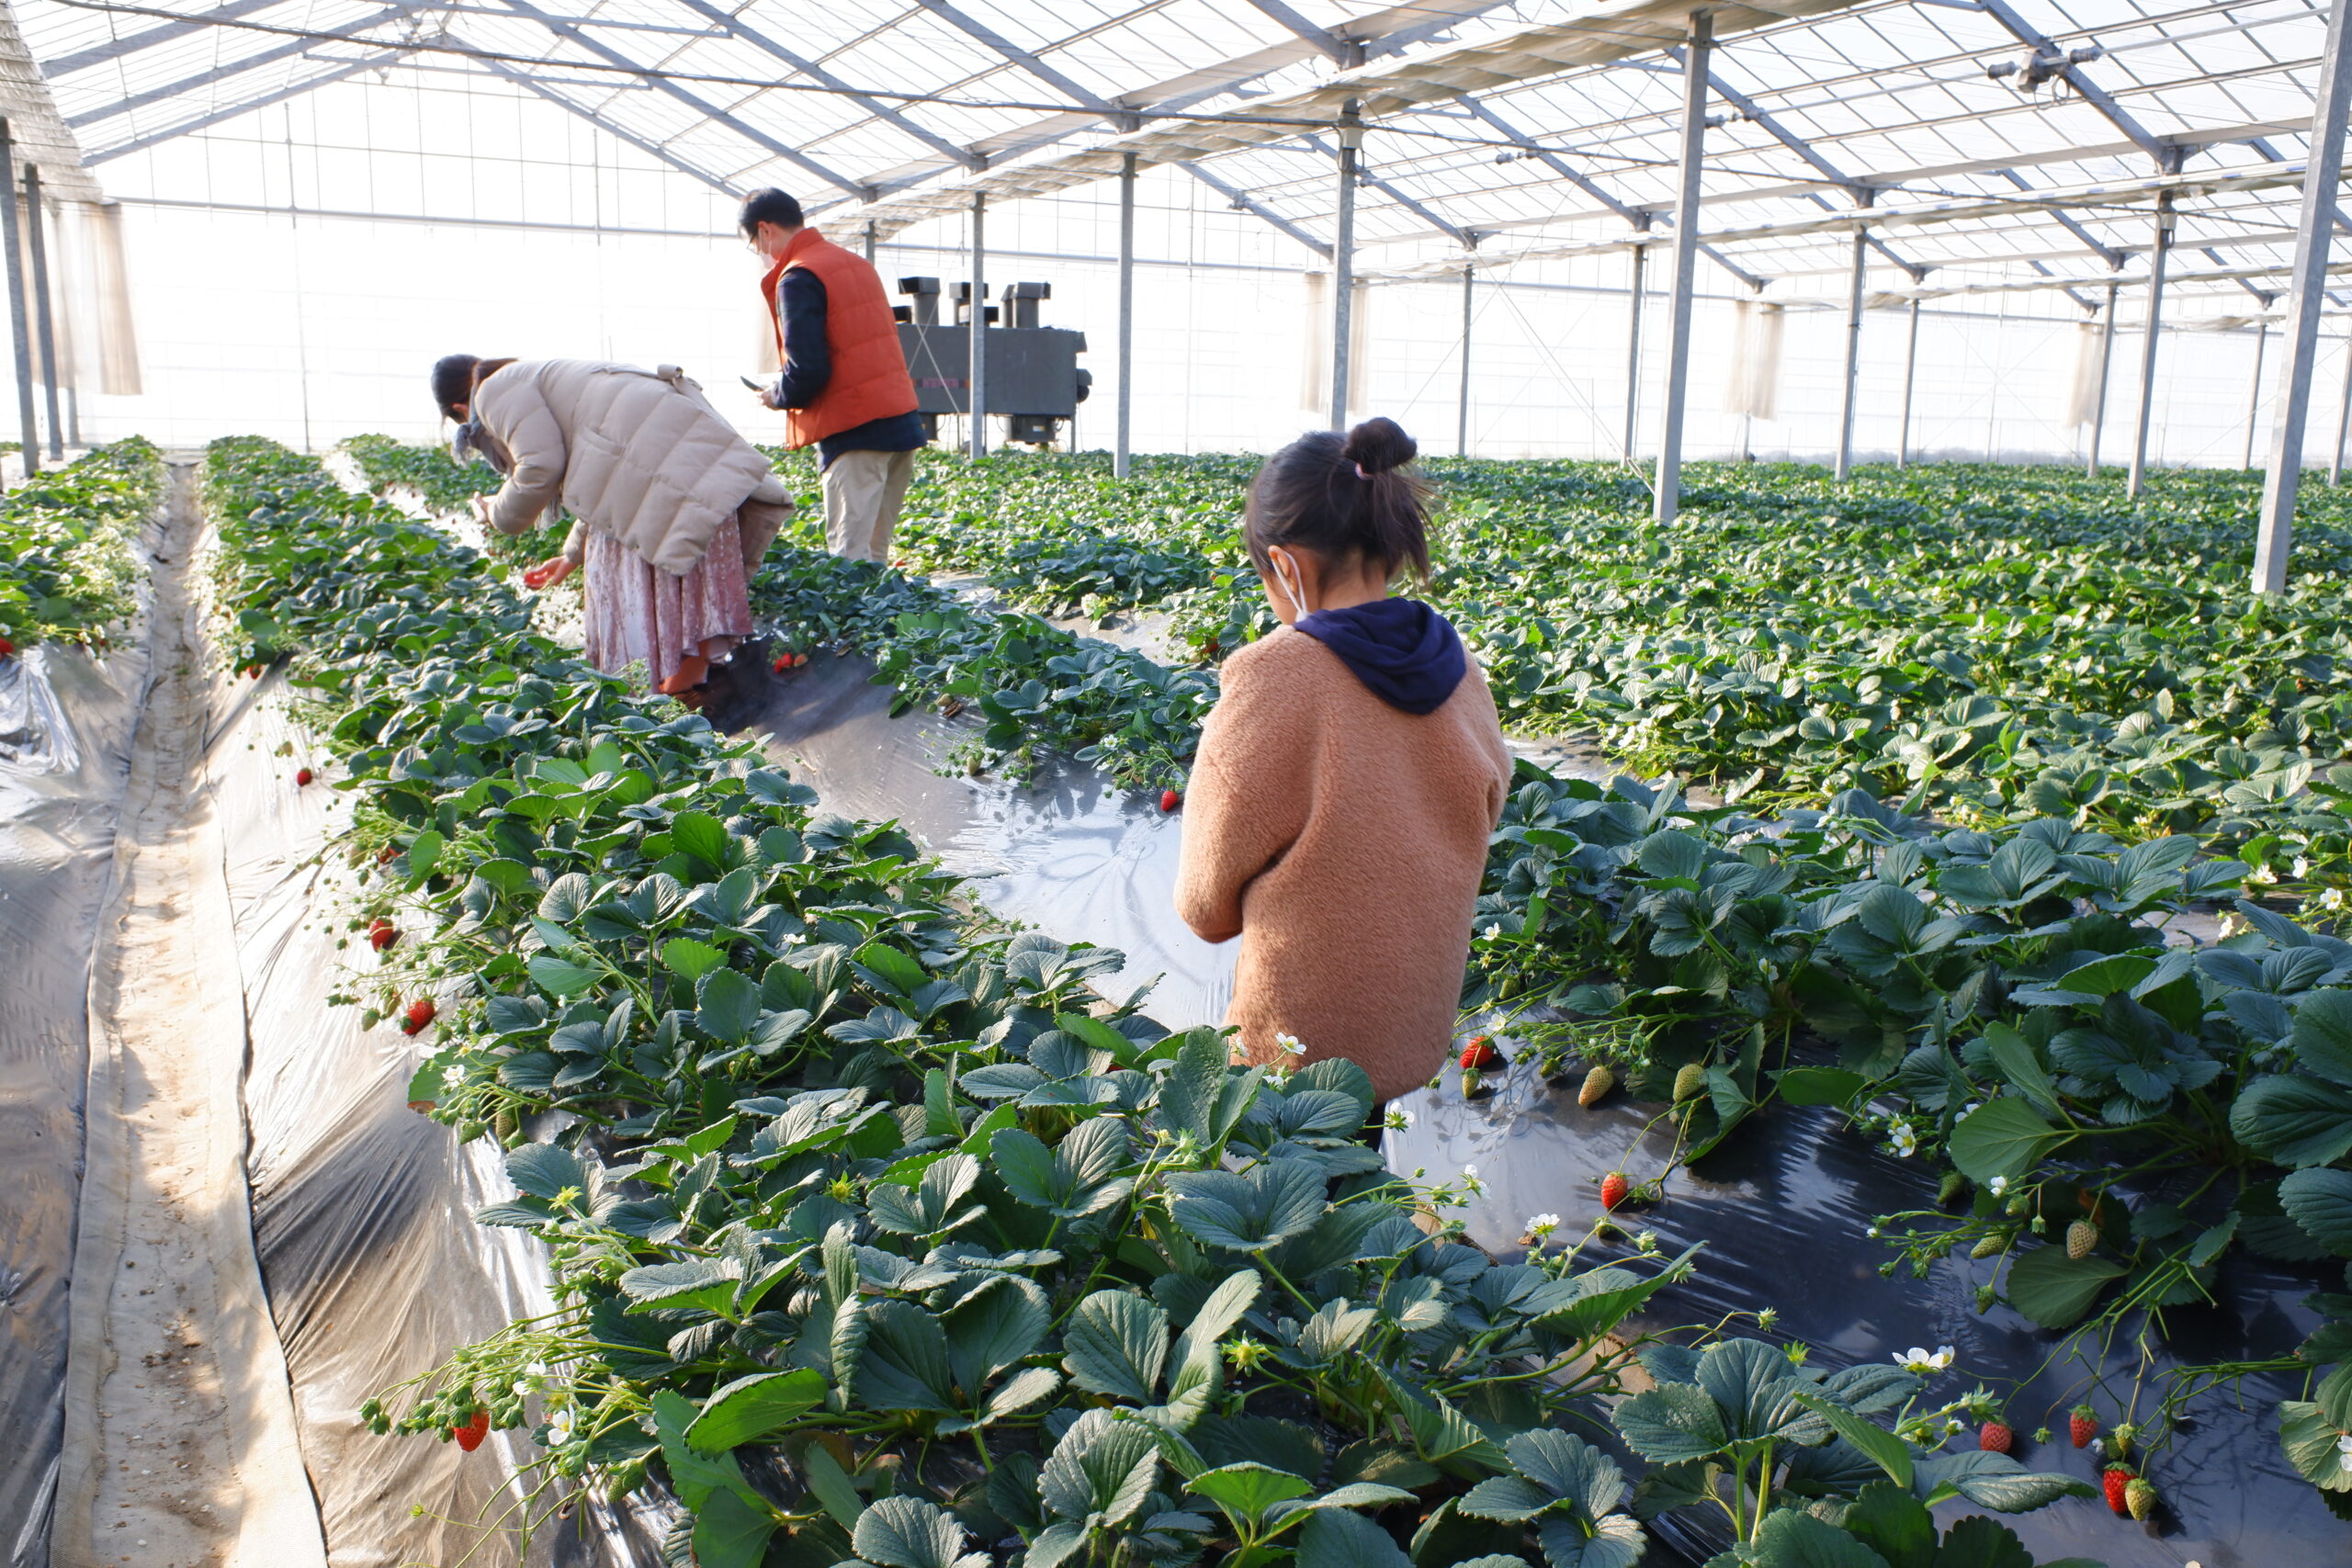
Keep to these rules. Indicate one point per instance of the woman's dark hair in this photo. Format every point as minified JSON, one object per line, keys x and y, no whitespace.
{"x":453,"y":381}
{"x":1351,"y":499}
{"x":770,"y":206}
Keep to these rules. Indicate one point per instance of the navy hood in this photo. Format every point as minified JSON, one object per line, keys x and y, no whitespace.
{"x":1406,"y":653}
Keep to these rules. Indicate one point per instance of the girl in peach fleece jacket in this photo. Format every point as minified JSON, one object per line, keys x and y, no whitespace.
{"x":1338,"y":813}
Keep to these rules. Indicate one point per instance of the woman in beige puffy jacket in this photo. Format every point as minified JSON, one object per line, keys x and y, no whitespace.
{"x":674,"y":509}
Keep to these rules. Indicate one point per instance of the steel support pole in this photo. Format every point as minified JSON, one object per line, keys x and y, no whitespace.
{"x":2098,"y":409}
{"x":2343,"y":419}
{"x":1119,"y":450}
{"x":1641,"y":255}
{"x":1910,"y":374}
{"x":1697,"y":58}
{"x":1461,"y":405}
{"x":2159,"y":254}
{"x":1343,"y":265}
{"x":19,"y":320}
{"x":2254,"y":391}
{"x":45,"y":323}
{"x":871,"y":242}
{"x":977,"y":390}
{"x":1853,"y":357}
{"x":2306,"y":288}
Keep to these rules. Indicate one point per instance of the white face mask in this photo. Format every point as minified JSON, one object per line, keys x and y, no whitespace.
{"x":1297,"y":599}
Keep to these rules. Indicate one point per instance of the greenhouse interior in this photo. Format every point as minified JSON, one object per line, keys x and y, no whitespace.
{"x":1226,"y":783}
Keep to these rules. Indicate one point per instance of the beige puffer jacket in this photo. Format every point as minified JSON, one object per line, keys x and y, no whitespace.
{"x":636,"y":455}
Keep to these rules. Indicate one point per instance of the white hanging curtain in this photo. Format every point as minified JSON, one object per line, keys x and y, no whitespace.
{"x":117,"y":336}
{"x":2082,"y":397}
{"x":1754,"y":381}
{"x":1314,"y":348}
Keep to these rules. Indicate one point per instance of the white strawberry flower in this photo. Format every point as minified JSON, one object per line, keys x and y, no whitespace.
{"x":1906,"y":1141}
{"x":453,"y":1075}
{"x":2263,"y":875}
{"x":2302,"y":867}
{"x":559,"y":1429}
{"x":1493,"y":932}
{"x":1291,"y":1043}
{"x":1920,"y":1360}
{"x":1540,"y":1225}
{"x":1397,"y":1120}
{"x":2332,"y":899}
{"x":1997,"y":1186}
{"x":1470,"y":1182}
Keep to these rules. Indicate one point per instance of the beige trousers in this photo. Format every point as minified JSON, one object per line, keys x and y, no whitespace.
{"x":863,"y":493}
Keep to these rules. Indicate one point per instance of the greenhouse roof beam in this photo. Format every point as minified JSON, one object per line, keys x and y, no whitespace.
{"x":1451,"y":231}
{"x":1341,"y":49}
{"x":132,"y":43}
{"x":292,"y":90}
{"x":816,"y":73}
{"x":695,"y":101}
{"x":218,"y":73}
{"x":1755,"y":112}
{"x":972,"y":27}
{"x":1613,"y":31}
{"x":605,"y":123}
{"x":2073,"y":225}
{"x":2092,"y":93}
{"x":1554,"y":163}
{"x":1243,"y":202}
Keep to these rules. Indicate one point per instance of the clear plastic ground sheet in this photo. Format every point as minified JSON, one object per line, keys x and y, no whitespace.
{"x":66,"y":723}
{"x":362,"y":1208}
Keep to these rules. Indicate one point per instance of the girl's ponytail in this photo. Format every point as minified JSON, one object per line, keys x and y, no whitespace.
{"x":1354,"y":498}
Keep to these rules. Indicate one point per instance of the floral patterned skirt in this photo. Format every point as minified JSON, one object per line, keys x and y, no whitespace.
{"x":635,"y":609}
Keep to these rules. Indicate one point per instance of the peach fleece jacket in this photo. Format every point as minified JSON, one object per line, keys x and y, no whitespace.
{"x":1343,"y":841}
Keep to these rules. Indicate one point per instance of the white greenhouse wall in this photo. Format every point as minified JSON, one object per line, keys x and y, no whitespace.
{"x":310,"y":328}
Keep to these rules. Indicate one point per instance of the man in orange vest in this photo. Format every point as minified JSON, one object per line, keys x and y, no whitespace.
{"x":844,"y":385}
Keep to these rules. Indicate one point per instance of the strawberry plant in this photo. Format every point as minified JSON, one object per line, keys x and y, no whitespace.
{"x":69,"y":541}
{"x":875,"y":1233}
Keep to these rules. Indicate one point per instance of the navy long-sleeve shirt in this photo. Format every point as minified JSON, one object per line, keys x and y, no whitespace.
{"x":809,"y":368}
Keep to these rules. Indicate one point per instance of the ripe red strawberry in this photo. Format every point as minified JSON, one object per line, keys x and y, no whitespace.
{"x":7,"y":648}
{"x":384,"y":856}
{"x":419,"y":1014}
{"x":1613,"y":1188}
{"x":783,"y":662}
{"x":471,"y":1435}
{"x":1170,"y":799}
{"x":2083,"y":1426}
{"x":1994,"y":1436}
{"x":535,"y":577}
{"x":382,"y":934}
{"x":1479,"y":1053}
{"x":2116,"y":1481}
{"x":303,"y":777}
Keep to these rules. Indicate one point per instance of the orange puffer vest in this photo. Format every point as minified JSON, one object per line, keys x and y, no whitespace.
{"x":869,"y":379}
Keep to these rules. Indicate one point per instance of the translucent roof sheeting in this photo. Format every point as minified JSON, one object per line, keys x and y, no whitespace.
{"x":1986,"y":144}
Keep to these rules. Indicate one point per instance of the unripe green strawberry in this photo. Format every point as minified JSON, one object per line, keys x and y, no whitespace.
{"x":1989,"y":1243}
{"x":2081,"y":1237}
{"x":1597,"y":1082}
{"x":1949,"y":1191}
{"x":2140,"y":1496}
{"x":505,"y":1125}
{"x":1689,"y":1082}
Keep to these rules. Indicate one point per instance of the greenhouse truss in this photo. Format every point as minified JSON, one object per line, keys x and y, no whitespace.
{"x":458,"y":1107}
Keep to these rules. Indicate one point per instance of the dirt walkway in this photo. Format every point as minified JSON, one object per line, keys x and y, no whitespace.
{"x":179,"y":1432}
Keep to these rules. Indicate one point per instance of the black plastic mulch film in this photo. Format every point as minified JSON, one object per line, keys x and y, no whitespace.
{"x":375,"y":1269}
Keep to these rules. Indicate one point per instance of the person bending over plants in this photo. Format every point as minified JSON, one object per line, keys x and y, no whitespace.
{"x":674,"y":509}
{"x":1348,"y":777}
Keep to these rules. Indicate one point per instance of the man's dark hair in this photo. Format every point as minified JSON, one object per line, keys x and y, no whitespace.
{"x":769,"y":206}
